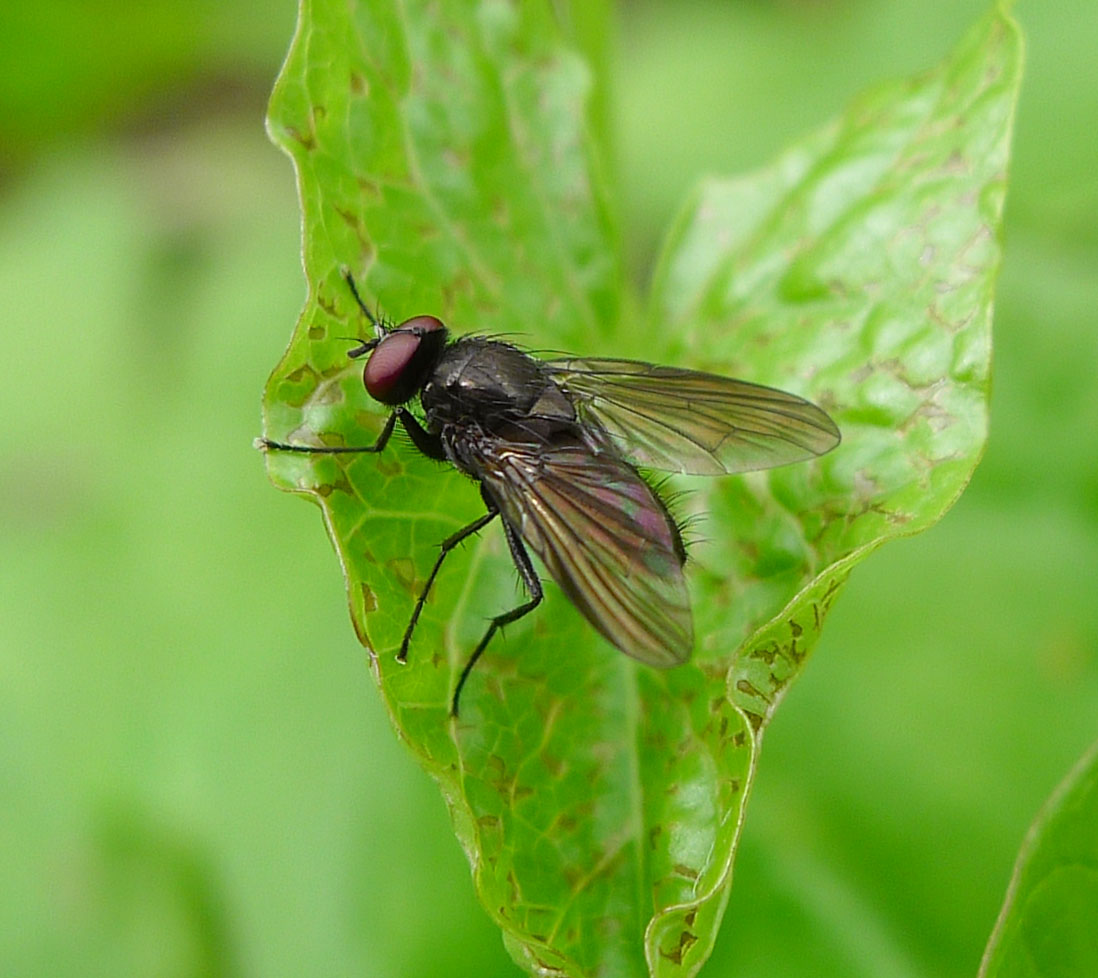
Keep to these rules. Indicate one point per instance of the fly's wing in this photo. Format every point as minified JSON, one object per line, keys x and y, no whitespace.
{"x":695,"y":423}
{"x":604,"y":536}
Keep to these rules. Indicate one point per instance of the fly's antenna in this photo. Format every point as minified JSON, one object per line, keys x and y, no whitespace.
{"x":379,"y":326}
{"x":361,"y":347}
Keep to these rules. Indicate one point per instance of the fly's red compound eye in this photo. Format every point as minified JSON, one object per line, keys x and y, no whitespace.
{"x":420,"y":325}
{"x":391,"y":374}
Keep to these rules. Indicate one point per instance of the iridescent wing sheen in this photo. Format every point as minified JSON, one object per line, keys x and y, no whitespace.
{"x":695,"y":423}
{"x":604,"y":536}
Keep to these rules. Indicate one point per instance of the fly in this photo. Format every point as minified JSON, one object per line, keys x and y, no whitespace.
{"x":555,"y":445}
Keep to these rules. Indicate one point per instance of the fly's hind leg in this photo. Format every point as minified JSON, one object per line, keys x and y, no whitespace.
{"x":533,"y":585}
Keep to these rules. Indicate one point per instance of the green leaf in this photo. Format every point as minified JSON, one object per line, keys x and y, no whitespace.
{"x":443,"y":155}
{"x":1048,"y":927}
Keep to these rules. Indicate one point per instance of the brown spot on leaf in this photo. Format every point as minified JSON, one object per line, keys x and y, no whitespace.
{"x":767,"y":653}
{"x":746,"y":686}
{"x":389,"y":466}
{"x":326,"y":489}
{"x":369,"y":188}
{"x":296,"y":376}
{"x":404,"y":571}
{"x":349,"y":218}
{"x":686,"y":941}
{"x":566,"y":821}
{"x":307,"y":142}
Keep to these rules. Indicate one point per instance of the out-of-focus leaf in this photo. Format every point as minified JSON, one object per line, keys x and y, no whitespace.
{"x":442,"y":155}
{"x":1048,"y":927}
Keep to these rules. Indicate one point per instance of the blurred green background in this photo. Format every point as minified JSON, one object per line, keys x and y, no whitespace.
{"x":196,"y":774}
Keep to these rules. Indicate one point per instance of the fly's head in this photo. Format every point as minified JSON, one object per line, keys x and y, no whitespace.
{"x":401,"y":358}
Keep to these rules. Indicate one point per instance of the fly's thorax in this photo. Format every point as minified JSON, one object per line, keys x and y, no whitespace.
{"x":486,"y":383}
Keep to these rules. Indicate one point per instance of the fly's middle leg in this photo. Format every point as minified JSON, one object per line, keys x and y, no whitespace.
{"x":447,"y":545}
{"x":533,"y":586}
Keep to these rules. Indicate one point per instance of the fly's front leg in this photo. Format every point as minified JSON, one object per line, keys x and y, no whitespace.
{"x":533,"y":585}
{"x":428,"y":443}
{"x":382,"y":440}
